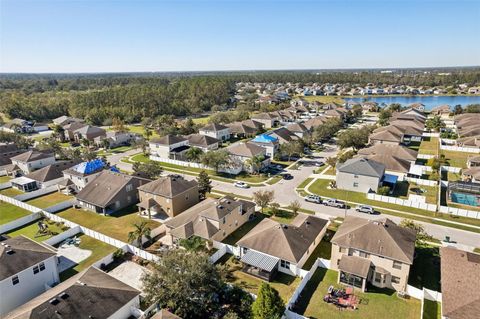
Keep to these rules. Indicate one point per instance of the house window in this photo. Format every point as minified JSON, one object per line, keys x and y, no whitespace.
{"x":395,"y":280}
{"x":42,"y":266}
{"x":244,"y":250}
{"x":355,"y":176}
{"x":355,"y":184}
{"x":363,"y":254}
{"x":284,"y":264}
{"x":35,"y":270}
{"x":15,"y":280}
{"x":343,"y":249}
{"x":378,"y":277}
{"x":129,"y":187}
{"x":397,"y":265}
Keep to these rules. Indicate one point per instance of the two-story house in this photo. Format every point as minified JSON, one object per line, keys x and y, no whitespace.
{"x":378,"y":252}
{"x":27,"y":269}
{"x":360,"y":174}
{"x":211,"y":219}
{"x":218,"y":131}
{"x":169,"y":147}
{"x":240,"y":153}
{"x":109,"y":192}
{"x":78,"y":176}
{"x":168,"y":196}
{"x":271,"y":247}
{"x":32,"y":160}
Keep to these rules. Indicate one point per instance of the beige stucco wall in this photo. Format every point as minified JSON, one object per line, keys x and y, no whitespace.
{"x":174,"y":206}
{"x":377,"y":262}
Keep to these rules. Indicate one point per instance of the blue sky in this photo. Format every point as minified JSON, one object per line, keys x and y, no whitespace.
{"x":181,"y":35}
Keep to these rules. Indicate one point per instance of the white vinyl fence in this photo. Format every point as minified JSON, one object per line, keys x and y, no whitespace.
{"x":451,"y":169}
{"x":19,"y":222}
{"x":62,"y":236}
{"x":460,"y":149}
{"x":19,"y":203}
{"x":429,"y":134}
{"x":228,"y":170}
{"x":403,"y":202}
{"x":425,"y":156}
{"x":37,"y":193}
{"x":420,"y":181}
{"x":5,"y":185}
{"x":460,"y":212}
{"x":61,"y":206}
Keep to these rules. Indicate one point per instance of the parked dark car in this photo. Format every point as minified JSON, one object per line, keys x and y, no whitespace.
{"x":287,"y":176}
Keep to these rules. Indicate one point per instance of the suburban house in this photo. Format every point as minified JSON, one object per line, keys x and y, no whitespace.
{"x":211,"y":219}
{"x":386,"y":136}
{"x":82,"y":174}
{"x":7,"y":151}
{"x":441,"y":110}
{"x":359,"y":174}
{"x":32,"y":160}
{"x":269,"y":142}
{"x":89,"y":294}
{"x":169,"y":196}
{"x":165,"y":314}
{"x":378,"y":252}
{"x":23,"y":126}
{"x":42,"y":178}
{"x":339,"y":113}
{"x":116,"y":139}
{"x":88,"y":132}
{"x":418,"y":107}
{"x":299,"y":129}
{"x":268,"y":120}
{"x":460,"y":272}
{"x":218,"y":131}
{"x":283,"y":135}
{"x":238,"y":129}
{"x":109,"y":192}
{"x":169,"y":147}
{"x":204,"y":142}
{"x":70,"y":128}
{"x":312,"y":123}
{"x":27,"y":269}
{"x":271,"y":247}
{"x":240,"y":153}
{"x":65,"y":120}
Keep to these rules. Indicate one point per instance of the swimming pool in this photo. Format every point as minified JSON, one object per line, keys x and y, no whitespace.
{"x":465,"y":199}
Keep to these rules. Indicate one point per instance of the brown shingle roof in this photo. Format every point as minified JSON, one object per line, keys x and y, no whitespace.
{"x":168,"y":139}
{"x":460,"y":277}
{"x":394,"y":150}
{"x":199,"y":140}
{"x":355,"y":265}
{"x":51,"y":172}
{"x":379,"y":237}
{"x":31,"y":156}
{"x":168,"y":186}
{"x":245,"y":149}
{"x":287,"y":242}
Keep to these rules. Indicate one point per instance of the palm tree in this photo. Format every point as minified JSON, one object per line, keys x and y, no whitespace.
{"x":193,"y":154}
{"x":255,"y":163}
{"x":141,"y":230}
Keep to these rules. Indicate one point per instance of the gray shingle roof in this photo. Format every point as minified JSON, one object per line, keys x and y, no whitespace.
{"x":31,"y":156}
{"x":168,"y":139}
{"x":168,"y":186}
{"x":51,"y":172}
{"x":199,"y":140}
{"x":362,"y":166}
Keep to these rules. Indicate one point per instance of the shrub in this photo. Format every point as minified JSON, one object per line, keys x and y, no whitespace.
{"x":384,"y":190}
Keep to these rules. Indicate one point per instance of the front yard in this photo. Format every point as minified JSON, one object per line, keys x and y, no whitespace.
{"x":116,"y":225}
{"x":99,"y":250}
{"x":11,"y":212}
{"x":375,"y":304}
{"x":48,"y":200}
{"x":31,"y":230}
{"x":284,"y":283}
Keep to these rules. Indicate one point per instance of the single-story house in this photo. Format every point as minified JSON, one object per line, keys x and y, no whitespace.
{"x":271,"y":246}
{"x":116,"y":139}
{"x":298,"y":129}
{"x":65,"y":120}
{"x":360,"y":174}
{"x":268,"y":120}
{"x":88,"y":132}
{"x":378,"y":252}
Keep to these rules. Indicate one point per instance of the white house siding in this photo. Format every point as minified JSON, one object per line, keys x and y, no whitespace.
{"x":81,"y":181}
{"x":34,"y":165}
{"x":30,"y":285}
{"x":222,"y":135}
{"x":126,"y":311}
{"x":365,"y":183}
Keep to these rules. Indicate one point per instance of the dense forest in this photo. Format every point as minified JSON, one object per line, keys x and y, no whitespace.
{"x":100,"y":97}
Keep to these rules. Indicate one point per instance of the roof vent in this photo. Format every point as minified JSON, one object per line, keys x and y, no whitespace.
{"x":10,"y":252}
{"x":54,"y":301}
{"x":220,"y":207}
{"x":63,"y":295}
{"x":284,"y":226}
{"x":6,"y":245}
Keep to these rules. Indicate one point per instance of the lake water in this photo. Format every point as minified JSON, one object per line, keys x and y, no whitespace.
{"x":429,"y":101}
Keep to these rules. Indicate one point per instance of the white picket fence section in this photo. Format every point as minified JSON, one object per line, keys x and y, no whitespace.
{"x":229,"y":170}
{"x":61,"y":206}
{"x":451,"y":169}
{"x":218,"y":254}
{"x":420,"y":181}
{"x":460,"y":149}
{"x":62,"y":236}
{"x":5,"y":185}
{"x":459,"y":212}
{"x":17,"y":223}
{"x":425,"y":156}
{"x":429,"y":134}
{"x":19,"y":203}
{"x":402,"y":202}
{"x":432,"y":295}
{"x":306,"y":278}
{"x":37,"y":193}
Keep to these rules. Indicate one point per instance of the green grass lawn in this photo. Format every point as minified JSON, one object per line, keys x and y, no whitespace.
{"x":304,"y":183}
{"x":375,"y":304}
{"x":283,"y":283}
{"x":323,"y":99}
{"x":117,"y":225}
{"x":243,"y":230}
{"x":429,"y":145}
{"x":9,"y":212}
{"x":425,"y":271}
{"x":275,"y":179}
{"x":282,"y":216}
{"x":452,"y":177}
{"x":4,"y":179}
{"x":99,"y":250}
{"x":137,"y":129}
{"x":432,"y":309}
{"x":323,"y":250}
{"x":49,"y":200}
{"x":330,"y":171}
{"x":31,"y":231}
{"x":201,"y":120}
{"x":11,"y":192}
{"x":457,"y":159}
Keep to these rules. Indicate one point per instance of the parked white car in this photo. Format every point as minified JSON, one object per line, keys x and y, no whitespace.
{"x":365,"y":209}
{"x":241,"y":185}
{"x":313,"y":199}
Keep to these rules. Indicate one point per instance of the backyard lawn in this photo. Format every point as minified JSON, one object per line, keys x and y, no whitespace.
{"x":11,"y":192}
{"x":284,"y":283}
{"x":375,"y":304}
{"x":457,"y":159}
{"x":4,"y":179}
{"x":425,"y":271}
{"x":9,"y":212}
{"x":31,"y":231}
{"x":116,"y":225}
{"x":432,"y":309}
{"x":429,"y":145}
{"x":49,"y":200}
{"x":323,"y":250}
{"x":99,"y":250}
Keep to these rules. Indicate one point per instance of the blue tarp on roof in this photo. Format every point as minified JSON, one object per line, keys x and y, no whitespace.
{"x":264,"y":138}
{"x":114,"y":169}
{"x":391,"y":179}
{"x":90,"y":167}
